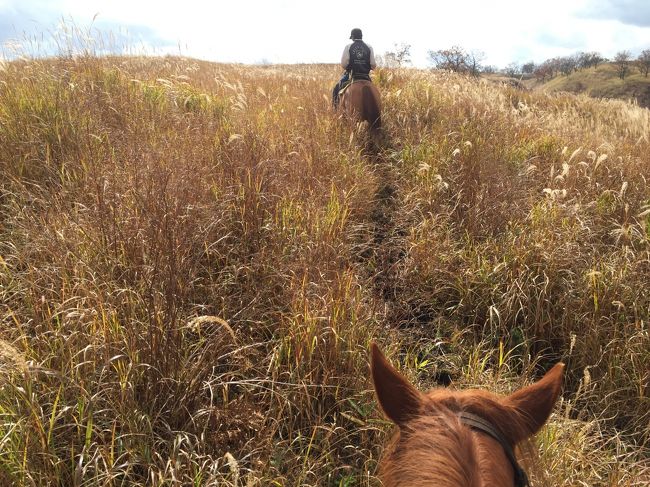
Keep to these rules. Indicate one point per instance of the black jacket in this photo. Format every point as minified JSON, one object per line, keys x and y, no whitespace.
{"x":359,"y":64}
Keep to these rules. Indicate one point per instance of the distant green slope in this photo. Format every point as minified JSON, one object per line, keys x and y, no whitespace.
{"x":603,"y":82}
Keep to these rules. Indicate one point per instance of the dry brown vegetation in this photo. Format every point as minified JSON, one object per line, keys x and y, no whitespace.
{"x":195,"y":257}
{"x":603,"y":81}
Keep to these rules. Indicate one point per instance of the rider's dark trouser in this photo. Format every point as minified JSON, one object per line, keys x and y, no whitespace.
{"x":335,"y":92}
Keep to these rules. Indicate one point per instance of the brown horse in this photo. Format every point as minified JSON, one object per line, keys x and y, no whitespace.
{"x":361,"y":100}
{"x":458,"y":438}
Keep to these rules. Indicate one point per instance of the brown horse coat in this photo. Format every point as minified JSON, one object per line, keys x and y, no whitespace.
{"x":433,"y":446}
{"x":362,"y":100}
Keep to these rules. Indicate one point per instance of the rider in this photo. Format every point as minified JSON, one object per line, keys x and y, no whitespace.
{"x":357,"y":60}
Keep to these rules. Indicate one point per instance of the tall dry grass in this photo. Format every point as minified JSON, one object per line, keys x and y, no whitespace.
{"x":192,"y":269}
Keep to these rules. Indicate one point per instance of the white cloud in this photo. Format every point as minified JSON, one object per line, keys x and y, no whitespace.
{"x":632,"y":12}
{"x":307,"y":31}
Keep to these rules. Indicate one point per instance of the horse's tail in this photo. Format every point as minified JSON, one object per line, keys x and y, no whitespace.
{"x":371,"y":111}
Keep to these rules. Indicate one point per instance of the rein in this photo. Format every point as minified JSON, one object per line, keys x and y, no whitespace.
{"x":479,"y":424}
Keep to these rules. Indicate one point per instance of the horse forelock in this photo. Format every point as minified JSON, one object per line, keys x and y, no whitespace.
{"x":437,"y":449}
{"x":431,"y":450}
{"x":484,"y":404}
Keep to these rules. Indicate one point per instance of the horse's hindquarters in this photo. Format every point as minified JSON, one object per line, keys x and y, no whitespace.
{"x":362,"y":100}
{"x":371,"y":107}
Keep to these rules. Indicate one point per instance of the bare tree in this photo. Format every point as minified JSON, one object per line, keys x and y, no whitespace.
{"x":596,"y":59}
{"x":474,"y":59}
{"x":582,"y":60}
{"x":555,"y":64}
{"x":543,"y":71}
{"x":575,"y":59}
{"x":403,"y":53}
{"x":567,"y":64}
{"x":513,"y":69}
{"x":589,"y":59}
{"x":643,"y":61}
{"x":398,"y":57}
{"x":454,"y":59}
{"x":528,"y":68}
{"x":622,"y":61}
{"x":547,"y":69}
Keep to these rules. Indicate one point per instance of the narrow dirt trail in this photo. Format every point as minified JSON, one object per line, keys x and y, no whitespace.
{"x":385,"y":241}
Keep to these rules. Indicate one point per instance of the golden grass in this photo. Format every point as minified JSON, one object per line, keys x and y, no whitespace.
{"x":196,"y":256}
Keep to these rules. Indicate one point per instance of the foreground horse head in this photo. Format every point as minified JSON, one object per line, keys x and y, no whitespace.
{"x":458,"y":438}
{"x":361,"y":99}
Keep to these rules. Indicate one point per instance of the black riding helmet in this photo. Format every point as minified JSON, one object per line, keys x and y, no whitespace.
{"x":356,"y":34}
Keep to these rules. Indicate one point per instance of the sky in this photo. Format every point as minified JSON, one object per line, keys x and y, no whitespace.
{"x":303,"y":31}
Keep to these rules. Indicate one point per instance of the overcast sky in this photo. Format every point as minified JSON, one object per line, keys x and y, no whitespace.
{"x":291,"y":31}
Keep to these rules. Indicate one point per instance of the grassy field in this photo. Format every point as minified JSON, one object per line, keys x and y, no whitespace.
{"x":195,"y":257}
{"x":603,"y":82}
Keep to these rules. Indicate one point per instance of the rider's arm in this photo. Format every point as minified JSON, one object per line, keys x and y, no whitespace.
{"x":345,"y":58}
{"x":373,"y":64}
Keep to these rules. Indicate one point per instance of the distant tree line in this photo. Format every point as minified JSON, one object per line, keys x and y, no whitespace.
{"x":460,"y":60}
{"x":564,"y":65}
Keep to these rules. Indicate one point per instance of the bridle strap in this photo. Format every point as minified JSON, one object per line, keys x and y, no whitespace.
{"x":479,"y":424}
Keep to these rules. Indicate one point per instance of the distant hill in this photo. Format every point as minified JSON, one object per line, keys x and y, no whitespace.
{"x":600,"y":82}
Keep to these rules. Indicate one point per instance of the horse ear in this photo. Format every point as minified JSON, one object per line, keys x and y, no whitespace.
{"x":397,"y":397}
{"x":533,"y":404}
